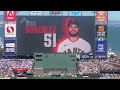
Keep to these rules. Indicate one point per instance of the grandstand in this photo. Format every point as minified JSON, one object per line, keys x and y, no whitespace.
{"x":76,"y":69}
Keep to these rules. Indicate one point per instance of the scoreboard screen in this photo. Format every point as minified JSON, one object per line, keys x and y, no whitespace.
{"x":55,"y":34}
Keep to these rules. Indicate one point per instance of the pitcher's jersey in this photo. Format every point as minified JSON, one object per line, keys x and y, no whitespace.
{"x":74,"y":47}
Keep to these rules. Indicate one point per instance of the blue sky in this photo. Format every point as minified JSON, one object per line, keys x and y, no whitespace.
{"x":1,"y":12}
{"x":112,"y":15}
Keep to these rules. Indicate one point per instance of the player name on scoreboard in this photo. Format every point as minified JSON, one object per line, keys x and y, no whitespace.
{"x":40,"y":29}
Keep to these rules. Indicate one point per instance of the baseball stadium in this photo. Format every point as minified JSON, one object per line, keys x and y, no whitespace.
{"x":56,"y":45}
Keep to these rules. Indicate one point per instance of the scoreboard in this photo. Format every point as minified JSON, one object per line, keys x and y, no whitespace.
{"x":56,"y":32}
{"x":43,"y":34}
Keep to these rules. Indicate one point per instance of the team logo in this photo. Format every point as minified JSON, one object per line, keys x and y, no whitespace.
{"x":10,"y":15}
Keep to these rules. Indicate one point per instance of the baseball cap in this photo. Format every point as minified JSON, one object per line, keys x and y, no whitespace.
{"x":73,"y":22}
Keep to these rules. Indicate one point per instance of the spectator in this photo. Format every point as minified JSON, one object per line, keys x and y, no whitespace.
{"x":7,"y":64}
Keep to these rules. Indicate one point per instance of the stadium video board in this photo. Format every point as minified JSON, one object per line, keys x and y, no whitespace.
{"x":55,"y":34}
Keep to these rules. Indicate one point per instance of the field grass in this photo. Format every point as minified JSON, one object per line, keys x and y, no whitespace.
{"x":56,"y":77}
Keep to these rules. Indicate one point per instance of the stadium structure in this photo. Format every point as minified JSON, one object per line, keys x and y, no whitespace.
{"x":31,"y":40}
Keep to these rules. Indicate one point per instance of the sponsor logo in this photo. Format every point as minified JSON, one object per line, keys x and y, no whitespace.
{"x":36,"y":12}
{"x":101,"y":28}
{"x":55,"y":12}
{"x":10,"y":44}
{"x":10,"y":49}
{"x":101,"y":47}
{"x":75,"y":12}
{"x":10,"y":15}
{"x":101,"y":16}
{"x":10,"y":30}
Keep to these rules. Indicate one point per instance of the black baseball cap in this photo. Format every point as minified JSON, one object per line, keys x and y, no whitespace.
{"x":73,"y":22}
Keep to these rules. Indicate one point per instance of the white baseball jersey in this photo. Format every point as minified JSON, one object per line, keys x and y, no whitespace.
{"x":74,"y":47}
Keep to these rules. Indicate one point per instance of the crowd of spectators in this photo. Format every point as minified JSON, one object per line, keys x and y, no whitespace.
{"x":94,"y":66}
{"x":110,"y":76}
{"x":6,"y":65}
{"x":84,"y":66}
{"x":87,"y":66}
{"x":115,"y":60}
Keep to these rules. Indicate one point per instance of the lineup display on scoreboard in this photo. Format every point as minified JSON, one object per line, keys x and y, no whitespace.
{"x":58,"y":34}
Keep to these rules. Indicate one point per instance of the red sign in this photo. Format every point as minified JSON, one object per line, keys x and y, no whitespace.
{"x":40,"y":29}
{"x":101,"y":16}
{"x":10,"y":15}
{"x":19,"y":69}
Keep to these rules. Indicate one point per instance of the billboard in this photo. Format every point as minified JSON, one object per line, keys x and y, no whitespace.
{"x":9,"y":47}
{"x":101,"y":47}
{"x":101,"y":16}
{"x":58,"y":34}
{"x":36,"y":13}
{"x":10,"y":15}
{"x":10,"y":29}
{"x":56,"y":13}
{"x":101,"y":30}
{"x":74,"y":13}
{"x":23,"y":13}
